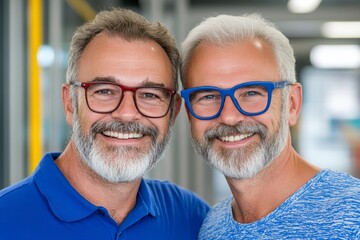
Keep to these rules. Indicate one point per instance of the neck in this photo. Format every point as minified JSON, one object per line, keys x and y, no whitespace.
{"x":118,"y":198}
{"x":256,"y":197}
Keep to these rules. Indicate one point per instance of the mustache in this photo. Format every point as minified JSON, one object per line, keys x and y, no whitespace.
{"x":135,"y":127}
{"x":226,"y":130}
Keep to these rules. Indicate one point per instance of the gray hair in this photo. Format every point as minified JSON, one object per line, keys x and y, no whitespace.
{"x":225,"y":29}
{"x":128,"y":25}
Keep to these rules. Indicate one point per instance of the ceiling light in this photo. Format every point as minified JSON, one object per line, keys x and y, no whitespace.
{"x":335,"y":56}
{"x":341,"y":29}
{"x":303,"y":6}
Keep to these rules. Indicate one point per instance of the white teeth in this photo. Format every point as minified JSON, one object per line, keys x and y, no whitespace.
{"x":236,"y":137}
{"x":120,"y":135}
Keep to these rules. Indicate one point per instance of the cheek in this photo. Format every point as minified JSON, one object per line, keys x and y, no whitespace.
{"x":273,"y":118}
{"x":276,"y":103}
{"x":84,"y":120}
{"x":86,"y":117}
{"x":198,"y":127}
{"x":162,"y":125}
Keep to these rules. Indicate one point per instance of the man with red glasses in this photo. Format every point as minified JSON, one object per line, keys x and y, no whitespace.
{"x":120,"y":99}
{"x":242,"y":98}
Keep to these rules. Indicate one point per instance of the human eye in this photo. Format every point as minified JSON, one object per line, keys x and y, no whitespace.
{"x":148,"y":95}
{"x":251,"y":92}
{"x":103,"y":90}
{"x":153,"y":94}
{"x":205,"y":97}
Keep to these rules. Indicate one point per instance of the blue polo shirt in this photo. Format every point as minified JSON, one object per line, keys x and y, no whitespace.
{"x":46,"y":206}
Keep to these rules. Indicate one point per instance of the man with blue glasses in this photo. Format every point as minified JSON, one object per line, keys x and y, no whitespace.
{"x":242,"y":97}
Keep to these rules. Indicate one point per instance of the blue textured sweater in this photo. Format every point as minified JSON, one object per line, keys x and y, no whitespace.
{"x":327,"y":207}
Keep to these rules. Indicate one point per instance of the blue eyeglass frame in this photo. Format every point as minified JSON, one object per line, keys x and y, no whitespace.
{"x":270,"y":86}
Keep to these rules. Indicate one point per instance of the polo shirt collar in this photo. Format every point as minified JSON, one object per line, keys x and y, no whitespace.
{"x":65,"y":202}
{"x":147,"y":198}
{"x":68,"y":205}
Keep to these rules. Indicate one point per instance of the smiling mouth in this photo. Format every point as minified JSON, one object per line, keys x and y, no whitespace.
{"x":235,"y":138}
{"x":121,"y":135}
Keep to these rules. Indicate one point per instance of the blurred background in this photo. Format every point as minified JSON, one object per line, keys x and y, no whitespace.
{"x":33,"y":59}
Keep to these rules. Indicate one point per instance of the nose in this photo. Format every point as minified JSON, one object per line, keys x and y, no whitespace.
{"x":127,"y":110}
{"x":230,"y":115}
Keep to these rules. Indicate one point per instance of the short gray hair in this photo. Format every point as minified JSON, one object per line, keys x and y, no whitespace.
{"x":128,"y":25}
{"x":225,"y":29}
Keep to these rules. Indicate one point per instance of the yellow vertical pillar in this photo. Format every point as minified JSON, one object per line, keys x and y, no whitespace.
{"x":34,"y":84}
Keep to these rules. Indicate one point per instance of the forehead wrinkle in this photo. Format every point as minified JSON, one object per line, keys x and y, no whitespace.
{"x":113,"y":79}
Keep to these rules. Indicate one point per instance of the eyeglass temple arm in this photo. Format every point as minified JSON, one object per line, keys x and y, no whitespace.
{"x":76,"y":84}
{"x":282,"y":84}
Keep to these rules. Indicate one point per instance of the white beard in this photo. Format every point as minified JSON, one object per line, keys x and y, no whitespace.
{"x":247,"y":162}
{"x":118,"y":164}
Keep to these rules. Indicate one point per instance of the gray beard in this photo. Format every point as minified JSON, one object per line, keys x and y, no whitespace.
{"x":245,"y":162}
{"x":121,"y":163}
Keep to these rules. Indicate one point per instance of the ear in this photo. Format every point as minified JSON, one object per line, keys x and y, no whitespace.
{"x":295,"y":103}
{"x":178,"y":102}
{"x":67,"y":103}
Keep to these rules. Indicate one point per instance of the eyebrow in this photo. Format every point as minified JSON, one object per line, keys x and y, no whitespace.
{"x":112,"y":79}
